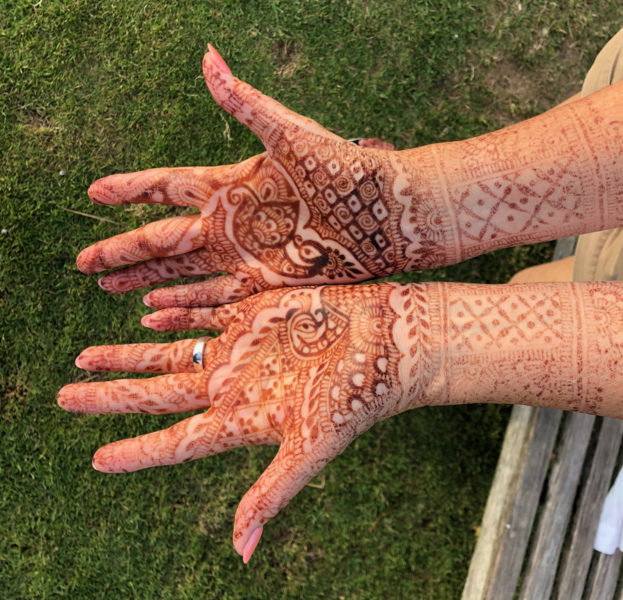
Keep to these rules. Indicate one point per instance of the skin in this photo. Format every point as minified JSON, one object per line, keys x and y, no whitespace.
{"x":309,"y":369}
{"x":316,"y":209}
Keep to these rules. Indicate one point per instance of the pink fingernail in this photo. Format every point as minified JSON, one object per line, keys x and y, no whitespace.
{"x":146,"y":300}
{"x":251,"y":544}
{"x":219,"y":63}
{"x":79,"y":361}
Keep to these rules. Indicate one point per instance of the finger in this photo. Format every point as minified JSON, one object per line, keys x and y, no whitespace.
{"x":179,"y":319}
{"x":168,"y":237}
{"x":187,"y":186}
{"x":175,"y":357}
{"x":151,"y":272}
{"x":376,"y":144}
{"x":219,"y":290}
{"x":261,"y":114}
{"x":287,"y":474}
{"x":195,"y":437}
{"x":158,"y":395}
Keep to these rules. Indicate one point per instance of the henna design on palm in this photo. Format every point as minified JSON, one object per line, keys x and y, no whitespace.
{"x":308,"y":369}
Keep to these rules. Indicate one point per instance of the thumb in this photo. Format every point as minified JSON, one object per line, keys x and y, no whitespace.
{"x":286,"y":475}
{"x":264,"y":116}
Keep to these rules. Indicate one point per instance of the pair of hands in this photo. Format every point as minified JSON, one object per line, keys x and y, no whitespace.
{"x":307,"y":369}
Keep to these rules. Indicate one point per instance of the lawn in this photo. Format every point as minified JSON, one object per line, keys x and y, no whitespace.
{"x":91,"y":88}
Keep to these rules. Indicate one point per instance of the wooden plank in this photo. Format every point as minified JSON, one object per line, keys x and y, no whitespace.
{"x":577,"y":559}
{"x":606,"y":576}
{"x":518,"y":525}
{"x":503,"y":488}
{"x":538,"y":579}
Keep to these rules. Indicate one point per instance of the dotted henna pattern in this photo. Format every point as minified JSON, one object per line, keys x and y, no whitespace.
{"x":311,"y":368}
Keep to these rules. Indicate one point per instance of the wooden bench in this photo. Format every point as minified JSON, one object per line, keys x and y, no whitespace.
{"x":537,"y":532}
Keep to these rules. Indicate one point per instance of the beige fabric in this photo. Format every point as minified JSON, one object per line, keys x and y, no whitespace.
{"x":599,"y":255}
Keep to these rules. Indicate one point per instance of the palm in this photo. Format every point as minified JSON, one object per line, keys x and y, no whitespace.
{"x":308,"y":369}
{"x":312,"y":209}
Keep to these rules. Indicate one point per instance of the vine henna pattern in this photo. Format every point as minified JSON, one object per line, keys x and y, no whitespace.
{"x":311,"y":368}
{"x":316,"y":209}
{"x":557,"y":345}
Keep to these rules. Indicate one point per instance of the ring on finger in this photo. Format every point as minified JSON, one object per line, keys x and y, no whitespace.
{"x":198,"y":353}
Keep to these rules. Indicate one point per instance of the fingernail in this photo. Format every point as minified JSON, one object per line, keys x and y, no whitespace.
{"x":146,"y":300}
{"x":93,"y":194}
{"x":148,"y":321}
{"x":79,"y":362}
{"x":251,"y":544}
{"x":98,"y":462}
{"x":218,"y":61}
{"x":63,"y":396}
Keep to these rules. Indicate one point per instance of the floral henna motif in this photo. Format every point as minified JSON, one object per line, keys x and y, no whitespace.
{"x":307,"y":368}
{"x":314,"y":208}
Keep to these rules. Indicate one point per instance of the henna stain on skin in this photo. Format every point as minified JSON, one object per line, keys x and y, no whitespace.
{"x":315,"y":208}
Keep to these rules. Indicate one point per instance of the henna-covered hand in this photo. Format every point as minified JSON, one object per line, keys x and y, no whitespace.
{"x":311,"y":368}
{"x":314,"y":208}
{"x":308,"y":369}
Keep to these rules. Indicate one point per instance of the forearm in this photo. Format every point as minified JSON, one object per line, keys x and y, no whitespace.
{"x":555,"y":345}
{"x":558,"y":174}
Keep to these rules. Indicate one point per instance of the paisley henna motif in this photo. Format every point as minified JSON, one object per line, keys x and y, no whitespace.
{"x":306,"y":368}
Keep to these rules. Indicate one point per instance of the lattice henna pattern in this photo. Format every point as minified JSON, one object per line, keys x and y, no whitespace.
{"x":554,"y":175}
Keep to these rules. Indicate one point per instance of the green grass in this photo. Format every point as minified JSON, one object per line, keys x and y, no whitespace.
{"x":91,"y":88}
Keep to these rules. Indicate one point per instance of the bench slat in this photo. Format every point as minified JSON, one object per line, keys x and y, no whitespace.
{"x":577,"y":559}
{"x":606,"y":576}
{"x":517,"y":527}
{"x":562,"y":489}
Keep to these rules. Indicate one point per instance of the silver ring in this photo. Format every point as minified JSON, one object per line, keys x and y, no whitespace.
{"x":198,"y":354}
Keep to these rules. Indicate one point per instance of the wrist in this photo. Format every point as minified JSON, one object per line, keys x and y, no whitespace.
{"x":548,"y":177}
{"x":417,"y":336}
{"x":427,"y":223}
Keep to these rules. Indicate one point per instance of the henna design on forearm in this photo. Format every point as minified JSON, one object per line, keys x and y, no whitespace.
{"x":555,"y":345}
{"x":309,"y":369}
{"x":315,"y":208}
{"x":554,"y":175}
